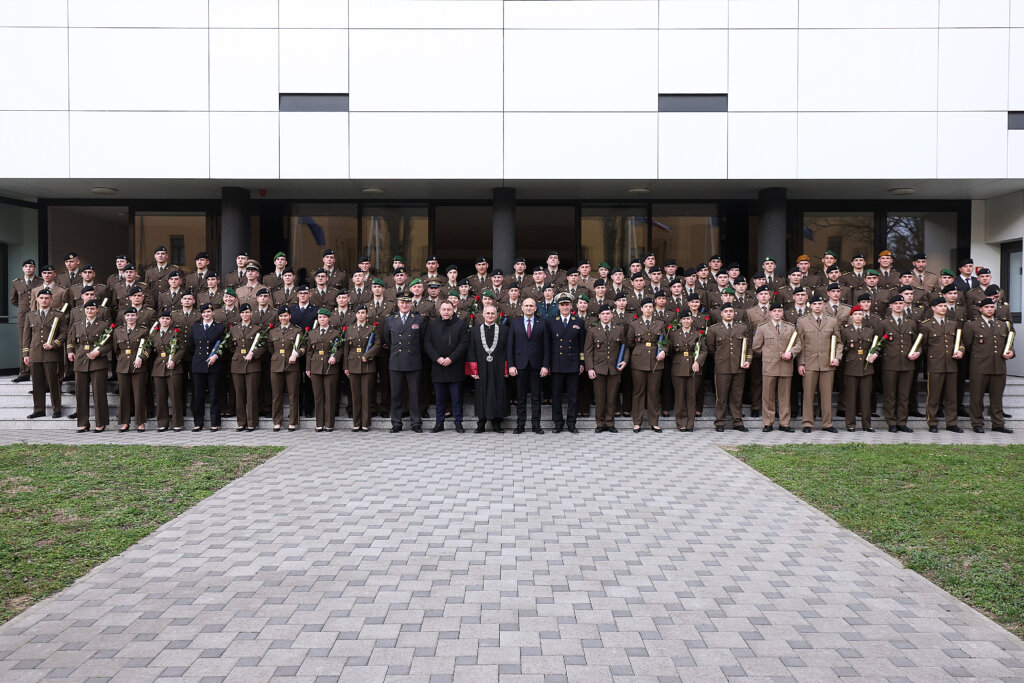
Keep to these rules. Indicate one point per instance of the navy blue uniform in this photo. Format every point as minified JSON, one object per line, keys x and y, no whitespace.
{"x":201,"y":342}
{"x":565,"y":339}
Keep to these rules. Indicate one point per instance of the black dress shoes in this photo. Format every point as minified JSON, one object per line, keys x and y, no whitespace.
{"x":831,"y":430}
{"x":459,"y":429}
{"x":396,"y":428}
{"x":786,"y":429}
{"x":904,"y":429}
{"x":933,"y":430}
{"x":740,"y":428}
{"x":480,"y":429}
{"x":807,"y":430}
{"x":518,"y":430}
{"x":599,"y":430}
{"x":719,"y":428}
{"x":1002,"y":430}
{"x":573,"y":430}
{"x":851,"y":429}
{"x":557,"y":430}
{"x":767,"y":429}
{"x":893,"y":429}
{"x":870,"y":429}
{"x":613,"y":430}
{"x":954,"y":429}
{"x":417,"y":429}
{"x":538,"y":430}
{"x":437,"y":428}
{"x":56,"y":414}
{"x":979,"y":430}
{"x":36,"y":414}
{"x":73,"y":416}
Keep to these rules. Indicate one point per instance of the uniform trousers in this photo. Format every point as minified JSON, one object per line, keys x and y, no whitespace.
{"x":383,"y":383}
{"x":820,"y":380}
{"x":201,"y":382}
{"x":247,"y":398}
{"x":132,"y":389}
{"x":171,"y":387}
{"x":442,"y":392}
{"x":729,"y":397}
{"x":264,"y":389}
{"x":994,"y":385}
{"x":941,"y":395}
{"x":586,"y":394}
{"x":858,"y":395}
{"x":567,"y":383}
{"x":646,"y":396}
{"x":754,"y":383}
{"x":606,"y":391}
{"x":363,"y":388}
{"x":22,"y":368}
{"x":281,"y":383}
{"x":45,"y":378}
{"x":897,"y":396}
{"x":626,"y":387}
{"x":402,"y":380}
{"x":775,"y":396}
{"x":96,"y":380}
{"x":685,"y":393}
{"x":325,"y":392}
{"x":528,"y":384}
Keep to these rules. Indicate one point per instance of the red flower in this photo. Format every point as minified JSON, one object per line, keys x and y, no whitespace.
{"x":270,"y":326}
{"x":885,"y":337}
{"x":700,"y":331}
{"x":176,"y":329}
{"x":307,"y":329}
{"x":375,"y":323}
{"x":707,"y":318}
{"x":677,"y":310}
{"x":776,"y":293}
{"x":477,"y":297}
{"x":344,"y":328}
{"x":112,"y":325}
{"x":636,"y":317}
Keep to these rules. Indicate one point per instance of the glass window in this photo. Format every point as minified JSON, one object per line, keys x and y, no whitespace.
{"x":845,"y":233}
{"x":97,"y":233}
{"x":615,"y":235}
{"x":19,"y":240}
{"x":933,"y":233}
{"x":541,"y":229}
{"x":395,"y":230}
{"x":161,"y":229}
{"x":461,"y":234}
{"x":312,"y":228}
{"x":689,"y":233}
{"x":1011,"y":276}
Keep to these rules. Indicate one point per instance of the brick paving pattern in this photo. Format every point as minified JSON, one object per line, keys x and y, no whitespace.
{"x":477,"y":558}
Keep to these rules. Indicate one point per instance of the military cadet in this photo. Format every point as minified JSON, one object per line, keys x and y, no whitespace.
{"x":21,"y":296}
{"x":645,"y":338}
{"x":237,"y":278}
{"x":197,"y":279}
{"x":604,"y":344}
{"x":145,"y":316}
{"x":834,"y":305}
{"x":572,"y":283}
{"x":942,"y":356}
{"x":637,"y":293}
{"x":554,"y":275}
{"x":304,"y":316}
{"x":566,"y":338}
{"x":365,"y":272}
{"x":247,"y":350}
{"x":397,"y":282}
{"x":819,"y":334}
{"x":419,"y":303}
{"x":336,"y":277}
{"x":402,"y":334}
{"x":360,"y":292}
{"x":42,"y":343}
{"x":325,"y":349}
{"x":798,"y":307}
{"x":205,"y":344}
{"x":59,"y":297}
{"x":858,"y":372}
{"x":888,"y":278}
{"x":725,"y":342}
{"x":772,"y":344}
{"x":131,"y":351}
{"x":362,"y":345}
{"x":547,"y":308}
{"x":728,"y":296}
{"x":432,"y":270}
{"x":344,"y":312}
{"x":879,"y":296}
{"x":828,"y":260}
{"x":117,"y":277}
{"x":72,"y":275}
{"x":156,"y":275}
{"x":899,"y":333}
{"x":87,"y":278}
{"x":855,"y":278}
{"x":512,"y":307}
{"x":714,"y":295}
{"x":227,"y":314}
{"x":286,"y":345}
{"x":688,"y":354}
{"x":285,"y":294}
{"x":86,"y":295}
{"x":785,"y":292}
{"x":965,"y":281}
{"x":211,"y":292}
{"x":434,"y":298}
{"x":170,"y":298}
{"x":89,"y":347}
{"x":926,"y":279}
{"x":986,"y":341}
{"x":168,"y":372}
{"x":122,"y":291}
{"x":187,"y":314}
{"x":274,"y":280}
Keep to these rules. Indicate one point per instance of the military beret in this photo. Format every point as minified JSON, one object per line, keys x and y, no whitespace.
{"x":188,"y":292}
{"x":397,"y":257}
{"x":884,"y":252}
{"x":655,"y":269}
{"x":728,"y":290}
{"x":584,"y":261}
{"x":906,"y":272}
{"x":986,"y":302}
{"x":398,"y":270}
{"x":603,"y":308}
{"x":856,"y":309}
{"x":244,"y":307}
{"x":519,"y":259}
{"x":604,"y":264}
{"x":800,"y":290}
{"x":341,"y":292}
{"x":159,"y":249}
{"x":451,"y":268}
{"x":649,"y":254}
{"x":599,"y":282}
{"x":361,"y":307}
{"x":552,"y":253}
{"x":983,"y":271}
{"x":261,"y":292}
{"x":965,"y":262}
{"x":28,"y":262}
{"x":230,"y":291}
{"x":895,"y":299}
{"x":919,"y":256}
{"x":480,"y":259}
{"x":871,"y":271}
{"x":671,"y":262}
{"x":205,"y":307}
{"x":829,"y":252}
{"x":135,"y":290}
{"x":130,"y":309}
{"x":513,"y":285}
{"x":415,"y":281}
{"x":803,"y":257}
{"x":616,"y":269}
{"x":45,"y":291}
{"x":674,"y":281}
{"x":647,"y":300}
{"x":947,"y":272}
{"x":766,"y":259}
{"x":620,"y":295}
{"x":463,"y":282}
{"x":323,"y":311}
{"x":572,"y":271}
{"x":404,"y":296}
{"x":774,"y":305}
{"x":538,"y":269}
{"x":693,"y":297}
{"x":201,"y":254}
{"x":758,"y":275}
{"x":739,"y":279}
{"x":164,"y":314}
{"x":991,"y":290}
{"x":328,"y":252}
{"x":661,"y":294}
{"x":937,"y":300}
{"x":794,"y":269}
{"x":816,"y":298}
{"x":949,"y":288}
{"x":497,"y":271}
{"x":547,"y":285}
{"x":278,"y":255}
{"x":283,"y":308}
{"x":867,"y":297}
{"x":689,"y":272}
{"x":905,"y":288}
{"x":88,"y":288}
{"x":635,"y":261}
{"x":583,"y":297}
{"x":377,"y":282}
{"x":453,"y":292}
{"x":49,"y":269}
{"x":831,"y":268}
{"x":288,"y":269}
{"x":832,"y":286}
{"x":88,"y":266}
{"x":489,"y":294}
{"x":212,"y":274}
{"x":762,"y":288}
{"x":365,"y":258}
{"x":302,"y":288}
{"x":725,"y":306}
{"x":91,"y":304}
{"x":638,"y":274}
{"x":70,"y":255}
{"x":174,"y":273}
{"x":856,"y":256}
{"x":686,"y":314}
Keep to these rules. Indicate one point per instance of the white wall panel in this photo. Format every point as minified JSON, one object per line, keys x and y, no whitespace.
{"x":426,"y":70}
{"x":597,"y":145}
{"x":763,"y":70}
{"x":972,"y":145}
{"x":313,"y":13}
{"x":1015,"y":152}
{"x":313,"y":61}
{"x":1017,"y":13}
{"x":979,"y":13}
{"x":159,"y":69}
{"x":35,"y":71}
{"x":693,"y":145}
{"x":694,"y":61}
{"x":425,"y":145}
{"x":140,"y":145}
{"x":243,"y":13}
{"x":581,"y":70}
{"x":973,"y":67}
{"x":243,"y":145}
{"x":425,"y":13}
{"x":1016,"y":76}
{"x":868,"y":70}
{"x":763,"y":13}
{"x":867,"y":145}
{"x":243,"y":70}
{"x":33,"y":144}
{"x":693,"y":14}
{"x":762,"y":145}
{"x":138,"y":13}
{"x":314,"y":144}
{"x":575,"y":14}
{"x":35,"y":13}
{"x":869,"y":13}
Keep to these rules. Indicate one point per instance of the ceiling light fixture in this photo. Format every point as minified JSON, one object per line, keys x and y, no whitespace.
{"x":373,"y":191}
{"x":638,"y":191}
{"x":901,"y":191}
{"x":99,"y":189}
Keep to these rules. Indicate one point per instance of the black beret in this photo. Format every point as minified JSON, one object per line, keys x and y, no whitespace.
{"x":91,"y":304}
{"x":130,"y":309}
{"x":895,"y":299}
{"x":164,"y":314}
{"x":205,"y":307}
{"x":244,"y":307}
{"x":816,"y":298}
{"x":647,"y":300}
{"x":283,"y":308}
{"x":202,"y":254}
{"x":775,"y":305}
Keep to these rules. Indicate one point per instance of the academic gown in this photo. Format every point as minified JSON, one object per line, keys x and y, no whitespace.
{"x":490,"y":399}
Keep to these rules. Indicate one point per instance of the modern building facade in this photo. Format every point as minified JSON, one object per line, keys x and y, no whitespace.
{"x":600,"y":128}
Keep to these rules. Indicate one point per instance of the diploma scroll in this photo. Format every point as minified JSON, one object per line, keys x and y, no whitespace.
{"x":1009,"y":342}
{"x":792,"y":342}
{"x":916,"y":345}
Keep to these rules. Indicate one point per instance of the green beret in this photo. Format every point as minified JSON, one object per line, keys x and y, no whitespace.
{"x":584,"y":297}
{"x":415,"y":281}
{"x":323,"y":311}
{"x":829,"y":252}
{"x":728,"y":290}
{"x":871,"y":271}
{"x":489,"y":294}
{"x":231,"y":291}
{"x":398,"y":258}
{"x":602,"y":264}
{"x":377,"y":281}
{"x":278,"y":255}
{"x":947,"y":271}
{"x":453,"y":292}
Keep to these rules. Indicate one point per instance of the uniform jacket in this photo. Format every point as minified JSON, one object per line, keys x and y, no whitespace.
{"x":303,"y":317}
{"x":200,"y":344}
{"x":126,"y":349}
{"x":121,"y":289}
{"x":161,"y":351}
{"x":183,"y":320}
{"x":842,"y":314}
{"x":986,"y":342}
{"x":358,"y":346}
{"x":683,"y":350}
{"x":281,"y":344}
{"x":404,"y":341}
{"x":21,"y":293}
{"x":725,"y":345}
{"x":75,"y":293}
{"x":816,"y":342}
{"x":770,"y":345}
{"x":895,"y":349}
{"x":937,"y":345}
{"x":37,"y":330}
{"x":642,"y":339}
{"x":566,"y":342}
{"x":242,"y":339}
{"x":82,"y":339}
{"x":318,"y":351}
{"x":60,"y":296}
{"x":205,"y":296}
{"x":283,"y":297}
{"x":601,"y":349}
{"x":856,"y":344}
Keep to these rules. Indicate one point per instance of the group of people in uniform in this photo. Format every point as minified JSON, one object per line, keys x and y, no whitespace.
{"x":644,"y":342}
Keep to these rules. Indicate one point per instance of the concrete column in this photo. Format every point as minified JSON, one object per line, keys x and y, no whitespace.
{"x":235,"y":235}
{"x":503,"y":226}
{"x":771,"y":228}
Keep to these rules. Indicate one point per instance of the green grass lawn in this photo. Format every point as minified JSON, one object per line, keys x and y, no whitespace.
{"x":952,"y":513}
{"x":66,"y":509}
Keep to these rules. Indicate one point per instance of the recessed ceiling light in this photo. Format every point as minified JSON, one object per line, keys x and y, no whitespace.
{"x":373,"y":191}
{"x":901,"y":191}
{"x":99,"y":189}
{"x":637,"y":191}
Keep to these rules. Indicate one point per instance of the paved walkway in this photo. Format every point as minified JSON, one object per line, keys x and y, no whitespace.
{"x":547,"y":558}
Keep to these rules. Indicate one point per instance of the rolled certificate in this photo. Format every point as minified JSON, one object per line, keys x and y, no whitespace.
{"x":53,"y":327}
{"x":743,"y":352}
{"x":255,"y":341}
{"x":956,"y":344}
{"x":1009,"y":342}
{"x":916,"y":345}
{"x":832,"y":348}
{"x":104,"y":304}
{"x":792,"y":342}
{"x":622,"y":354}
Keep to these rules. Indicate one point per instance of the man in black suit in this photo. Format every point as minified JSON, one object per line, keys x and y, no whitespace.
{"x":403,"y":337}
{"x":529,"y":358}
{"x":566,"y":337}
{"x":304,"y":317}
{"x":207,"y":368}
{"x":966,"y":281}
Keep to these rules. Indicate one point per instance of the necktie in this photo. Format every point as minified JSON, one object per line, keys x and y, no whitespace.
{"x":778,"y":329}
{"x":764,"y":311}
{"x":606,"y":328}
{"x":898,"y":321}
{"x":529,"y":327}
{"x":835,"y":310}
{"x":817,"y":320}
{"x":403,"y":319}
{"x":565,"y":322}
{"x":206,"y":327}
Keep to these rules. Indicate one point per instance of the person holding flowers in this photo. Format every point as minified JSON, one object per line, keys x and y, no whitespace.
{"x":248,"y":339}
{"x":287,"y":344}
{"x":206,"y":341}
{"x":324,"y":348}
{"x":131,"y":344}
{"x":168,"y":372}
{"x":858,"y":372}
{"x":688,"y":354}
{"x":89,"y":353}
{"x":646,"y":337}
{"x":361,"y":348}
